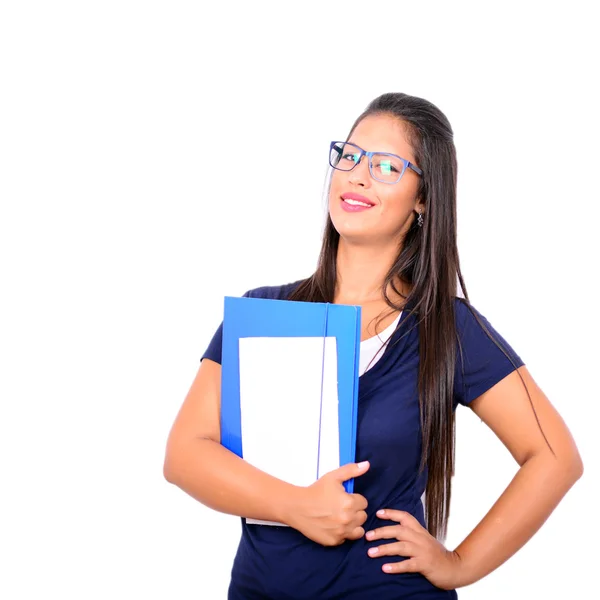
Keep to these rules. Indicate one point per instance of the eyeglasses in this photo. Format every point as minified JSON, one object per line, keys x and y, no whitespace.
{"x":384,"y":167}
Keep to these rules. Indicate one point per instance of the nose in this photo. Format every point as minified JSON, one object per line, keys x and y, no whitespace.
{"x":360,"y":173}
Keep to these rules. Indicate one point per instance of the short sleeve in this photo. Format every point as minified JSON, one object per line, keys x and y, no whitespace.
{"x":480,"y":363}
{"x":213,"y":352}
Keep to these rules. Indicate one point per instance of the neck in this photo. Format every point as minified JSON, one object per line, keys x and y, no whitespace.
{"x":361,"y":271}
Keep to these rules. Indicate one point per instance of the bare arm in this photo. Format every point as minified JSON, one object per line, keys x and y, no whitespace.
{"x":539,"y":485}
{"x":196,"y":462}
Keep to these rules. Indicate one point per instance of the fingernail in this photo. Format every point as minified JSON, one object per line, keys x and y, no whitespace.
{"x":369,"y":535}
{"x":381,"y":512}
{"x":373,"y":551}
{"x":387,"y":568}
{"x":363,"y":464}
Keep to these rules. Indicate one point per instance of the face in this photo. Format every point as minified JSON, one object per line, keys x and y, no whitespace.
{"x":391,"y":213}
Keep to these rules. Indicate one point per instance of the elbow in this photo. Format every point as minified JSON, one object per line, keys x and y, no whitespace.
{"x":168,"y":471}
{"x":174,"y":457}
{"x":573,"y":464}
{"x":566,"y":468}
{"x":170,"y":465}
{"x":577,"y":467}
{"x":571,"y":469}
{"x":178,"y":455}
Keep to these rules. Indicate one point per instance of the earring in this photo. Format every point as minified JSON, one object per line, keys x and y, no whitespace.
{"x":420,"y":219}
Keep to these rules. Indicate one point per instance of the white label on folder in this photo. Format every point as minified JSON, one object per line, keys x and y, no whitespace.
{"x":288,"y":430}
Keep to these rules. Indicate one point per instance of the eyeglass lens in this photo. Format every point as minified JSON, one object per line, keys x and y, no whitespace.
{"x":344,"y":157}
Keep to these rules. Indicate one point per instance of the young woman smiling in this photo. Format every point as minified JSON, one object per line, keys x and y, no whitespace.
{"x":390,"y":246}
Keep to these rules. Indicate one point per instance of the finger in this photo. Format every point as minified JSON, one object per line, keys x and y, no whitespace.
{"x":349,"y":471}
{"x":384,"y":533}
{"x":400,"y":532}
{"x":395,"y":549}
{"x":400,"y":516}
{"x":359,"y":502}
{"x":404,"y":566}
{"x":356,"y":533}
{"x":360,"y":517}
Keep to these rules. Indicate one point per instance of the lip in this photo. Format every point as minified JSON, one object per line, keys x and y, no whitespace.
{"x":354,"y":208}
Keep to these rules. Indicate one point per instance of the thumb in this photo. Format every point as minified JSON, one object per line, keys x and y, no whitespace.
{"x":350,"y":470}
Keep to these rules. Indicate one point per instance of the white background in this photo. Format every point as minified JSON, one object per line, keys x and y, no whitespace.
{"x":124,"y":223}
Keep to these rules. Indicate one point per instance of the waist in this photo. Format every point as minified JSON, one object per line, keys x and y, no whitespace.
{"x":281,"y":563}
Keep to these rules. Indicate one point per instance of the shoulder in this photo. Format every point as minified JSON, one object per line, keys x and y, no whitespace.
{"x":471,"y":325}
{"x":466,"y":315}
{"x":484,"y":355}
{"x":274,"y":292}
{"x":461,"y":307}
{"x":477,"y":334}
{"x":470,"y":321}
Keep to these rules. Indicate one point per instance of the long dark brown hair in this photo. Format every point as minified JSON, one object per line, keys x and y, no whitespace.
{"x":428,"y":261}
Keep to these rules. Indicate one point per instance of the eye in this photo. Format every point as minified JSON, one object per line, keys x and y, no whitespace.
{"x":386,"y":166}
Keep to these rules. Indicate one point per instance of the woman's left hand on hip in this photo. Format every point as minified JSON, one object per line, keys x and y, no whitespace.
{"x":426,"y":555}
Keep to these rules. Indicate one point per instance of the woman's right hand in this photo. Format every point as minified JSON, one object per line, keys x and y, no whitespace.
{"x":326,"y":513}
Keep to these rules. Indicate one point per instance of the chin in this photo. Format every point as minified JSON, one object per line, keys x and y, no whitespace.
{"x":354,"y":232}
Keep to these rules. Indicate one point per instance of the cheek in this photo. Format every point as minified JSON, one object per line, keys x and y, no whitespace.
{"x":335,"y":189}
{"x":396,"y":210}
{"x":393,"y":203}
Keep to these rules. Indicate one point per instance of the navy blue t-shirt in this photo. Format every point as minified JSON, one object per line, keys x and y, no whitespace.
{"x":280,"y":562}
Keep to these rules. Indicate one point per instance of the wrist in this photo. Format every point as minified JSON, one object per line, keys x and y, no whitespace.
{"x":290,"y":506}
{"x":463,"y":574}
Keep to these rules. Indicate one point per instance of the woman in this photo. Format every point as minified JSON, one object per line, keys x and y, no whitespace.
{"x":390,"y":247}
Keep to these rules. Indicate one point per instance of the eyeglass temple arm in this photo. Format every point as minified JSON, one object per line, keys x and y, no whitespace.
{"x":414,"y":168}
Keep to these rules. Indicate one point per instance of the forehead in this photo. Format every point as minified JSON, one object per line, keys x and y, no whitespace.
{"x":383,"y":133}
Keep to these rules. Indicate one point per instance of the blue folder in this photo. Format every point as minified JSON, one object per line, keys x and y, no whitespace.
{"x":260,"y":317}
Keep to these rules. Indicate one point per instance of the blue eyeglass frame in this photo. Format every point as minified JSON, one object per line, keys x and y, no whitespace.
{"x":369,"y":155}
